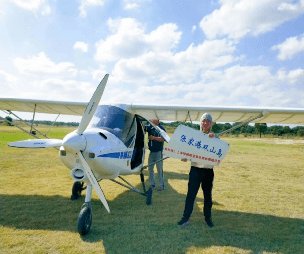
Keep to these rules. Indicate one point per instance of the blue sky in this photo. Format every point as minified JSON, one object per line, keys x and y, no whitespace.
{"x":221,"y":53}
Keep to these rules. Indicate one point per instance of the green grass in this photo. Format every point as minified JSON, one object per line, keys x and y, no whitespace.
{"x":258,"y":204}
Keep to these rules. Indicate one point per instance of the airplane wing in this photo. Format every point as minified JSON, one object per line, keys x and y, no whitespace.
{"x":43,"y":106}
{"x":167,"y":112}
{"x":221,"y":114}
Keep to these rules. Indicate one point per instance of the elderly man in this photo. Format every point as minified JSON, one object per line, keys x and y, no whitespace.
{"x":156,"y":145}
{"x":201,"y":174}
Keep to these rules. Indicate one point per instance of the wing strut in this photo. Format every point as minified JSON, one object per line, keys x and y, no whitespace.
{"x":129,"y":186}
{"x":189,"y":117}
{"x":22,"y":128}
{"x":164,"y":158}
{"x":52,"y":125}
{"x":33,"y":118}
{"x":242,"y":124}
{"x":31,"y":132}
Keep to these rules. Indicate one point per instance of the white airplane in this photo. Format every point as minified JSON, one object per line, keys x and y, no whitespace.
{"x":110,"y":139}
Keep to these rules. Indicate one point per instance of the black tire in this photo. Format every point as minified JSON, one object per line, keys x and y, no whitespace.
{"x":76,"y":190}
{"x":149,"y":196}
{"x":85,"y":220}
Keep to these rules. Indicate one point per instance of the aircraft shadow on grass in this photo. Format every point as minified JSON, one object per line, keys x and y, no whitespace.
{"x":132,"y":226}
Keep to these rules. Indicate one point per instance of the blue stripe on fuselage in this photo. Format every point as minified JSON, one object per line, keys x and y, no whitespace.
{"x":118,"y":155}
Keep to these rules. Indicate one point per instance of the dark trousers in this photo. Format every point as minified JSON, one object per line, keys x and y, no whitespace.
{"x":197,"y":177}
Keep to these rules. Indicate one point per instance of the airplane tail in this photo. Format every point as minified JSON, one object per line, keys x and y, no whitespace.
{"x":36,"y":143}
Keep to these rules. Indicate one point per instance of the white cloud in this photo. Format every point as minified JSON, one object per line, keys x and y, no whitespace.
{"x":2,"y":11}
{"x":46,"y":88}
{"x":238,"y":18}
{"x":41,"y":65}
{"x":248,"y":86}
{"x":99,"y":74}
{"x":46,"y":10}
{"x":59,"y":89}
{"x":159,"y":94}
{"x":290,"y":47}
{"x":133,"y":4}
{"x":293,"y":77}
{"x":81,"y":46}
{"x":33,"y":5}
{"x":89,"y":3}
{"x":233,"y":86}
{"x":10,"y":85}
{"x":7,"y":77}
{"x":182,"y":67}
{"x":193,"y":28}
{"x":128,"y":40}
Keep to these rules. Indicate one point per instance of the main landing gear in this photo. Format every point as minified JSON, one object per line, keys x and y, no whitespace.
{"x":77,"y":189}
{"x":85,"y":215}
{"x":147,"y":194}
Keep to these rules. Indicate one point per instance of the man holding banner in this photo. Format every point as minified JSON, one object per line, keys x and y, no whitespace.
{"x":201,"y":174}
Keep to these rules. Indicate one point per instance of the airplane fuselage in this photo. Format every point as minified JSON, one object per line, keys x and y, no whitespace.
{"x":108,"y":148}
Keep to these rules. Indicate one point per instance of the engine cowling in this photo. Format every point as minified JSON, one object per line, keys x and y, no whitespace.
{"x":78,"y":174}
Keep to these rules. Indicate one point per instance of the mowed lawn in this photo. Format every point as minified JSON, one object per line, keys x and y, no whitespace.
{"x":258,"y":206}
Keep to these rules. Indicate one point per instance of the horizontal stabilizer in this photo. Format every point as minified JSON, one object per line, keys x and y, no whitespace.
{"x":36,"y":143}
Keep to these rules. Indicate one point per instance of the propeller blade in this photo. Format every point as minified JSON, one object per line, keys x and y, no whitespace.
{"x":93,"y":181}
{"x":91,"y":108}
{"x":36,"y":143}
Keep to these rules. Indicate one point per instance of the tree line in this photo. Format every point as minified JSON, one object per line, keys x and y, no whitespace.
{"x":258,"y":128}
{"x":43,"y":122}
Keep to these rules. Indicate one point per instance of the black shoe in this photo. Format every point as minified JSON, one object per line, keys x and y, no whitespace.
{"x":209,"y":222}
{"x":184,"y":222}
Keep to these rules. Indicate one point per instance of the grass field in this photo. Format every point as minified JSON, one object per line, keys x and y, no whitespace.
{"x":258,"y":204}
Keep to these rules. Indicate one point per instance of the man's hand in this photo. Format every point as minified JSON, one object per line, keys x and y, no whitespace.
{"x":211,"y":135}
{"x":159,"y":139}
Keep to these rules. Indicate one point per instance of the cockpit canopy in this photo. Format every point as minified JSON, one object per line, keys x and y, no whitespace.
{"x":116,"y":121}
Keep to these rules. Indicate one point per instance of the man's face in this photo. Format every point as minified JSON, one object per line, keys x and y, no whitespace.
{"x":155,"y":122}
{"x":206,"y":125}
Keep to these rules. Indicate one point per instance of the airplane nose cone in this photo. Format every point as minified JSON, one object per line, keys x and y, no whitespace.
{"x":74,"y":142}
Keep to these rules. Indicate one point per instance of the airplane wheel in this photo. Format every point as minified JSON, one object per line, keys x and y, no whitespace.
{"x":76,"y":190}
{"x":149,"y":196}
{"x":85,"y":220}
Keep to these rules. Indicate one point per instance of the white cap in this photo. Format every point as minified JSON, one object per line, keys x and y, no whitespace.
{"x":206,"y":116}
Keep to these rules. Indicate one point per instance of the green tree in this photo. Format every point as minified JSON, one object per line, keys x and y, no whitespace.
{"x":227,"y":126}
{"x":260,"y":128}
{"x":286,"y":130}
{"x":10,"y":120}
{"x":215,"y":127}
{"x":301,"y":133}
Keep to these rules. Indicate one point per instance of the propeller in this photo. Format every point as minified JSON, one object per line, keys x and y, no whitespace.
{"x":91,"y":108}
{"x":93,"y":181}
{"x":75,"y":141}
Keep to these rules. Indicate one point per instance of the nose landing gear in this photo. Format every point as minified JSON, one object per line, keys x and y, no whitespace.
{"x":85,"y":215}
{"x":85,"y":219}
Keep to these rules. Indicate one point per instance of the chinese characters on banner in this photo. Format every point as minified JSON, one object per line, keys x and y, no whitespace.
{"x":187,"y":143}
